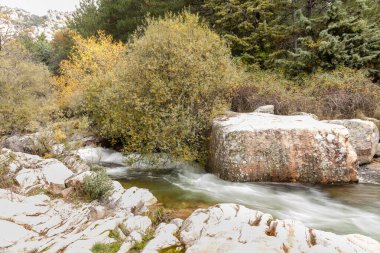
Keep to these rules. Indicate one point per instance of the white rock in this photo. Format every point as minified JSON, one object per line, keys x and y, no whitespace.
{"x":135,"y":197}
{"x":163,"y":238}
{"x":126,"y":246}
{"x":234,"y":228}
{"x":265,"y":109}
{"x":55,"y":174}
{"x":12,"y":233}
{"x":97,"y":212}
{"x":85,"y":246}
{"x":138,"y":223}
{"x":28,"y":177}
{"x":77,"y":180}
{"x":364,"y":137}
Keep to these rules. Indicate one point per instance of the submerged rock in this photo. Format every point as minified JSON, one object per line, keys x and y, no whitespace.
{"x":264,"y":147}
{"x":234,"y":228}
{"x":364,"y":137}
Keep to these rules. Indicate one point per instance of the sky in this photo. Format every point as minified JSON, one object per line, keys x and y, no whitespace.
{"x":40,"y":7}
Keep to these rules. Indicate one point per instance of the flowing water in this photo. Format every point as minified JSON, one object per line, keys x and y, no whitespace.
{"x":343,"y":209}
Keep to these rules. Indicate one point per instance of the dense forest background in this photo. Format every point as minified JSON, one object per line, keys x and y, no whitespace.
{"x":149,"y":76}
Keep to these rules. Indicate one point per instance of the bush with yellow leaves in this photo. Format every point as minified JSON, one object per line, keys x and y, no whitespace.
{"x":89,"y":60}
{"x":159,"y":95}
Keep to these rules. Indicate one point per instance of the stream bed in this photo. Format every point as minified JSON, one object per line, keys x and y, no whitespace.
{"x":342,"y":209}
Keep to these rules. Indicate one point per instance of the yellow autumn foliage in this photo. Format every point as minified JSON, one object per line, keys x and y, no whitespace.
{"x":90,"y":59}
{"x":178,"y":75}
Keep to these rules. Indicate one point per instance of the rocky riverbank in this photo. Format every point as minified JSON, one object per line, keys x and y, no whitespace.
{"x":43,"y":209}
{"x":46,"y":221}
{"x":39,"y":213}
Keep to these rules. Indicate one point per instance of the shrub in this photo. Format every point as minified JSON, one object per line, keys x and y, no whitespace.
{"x":106,"y":248}
{"x":89,"y":60}
{"x":177,"y":76}
{"x":343,"y":93}
{"x":98,"y":186}
{"x":26,"y":94}
{"x":264,"y":88}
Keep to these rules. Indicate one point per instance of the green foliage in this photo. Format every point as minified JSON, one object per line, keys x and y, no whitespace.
{"x":177,"y":76}
{"x":97,"y":186}
{"x":253,"y":27}
{"x":40,"y":48}
{"x":174,"y":249}
{"x":119,"y":18}
{"x":106,"y":248}
{"x":61,"y":46}
{"x":26,"y":93}
{"x":141,"y":245}
{"x":159,"y":215}
{"x":343,"y":36}
{"x":6,"y":180}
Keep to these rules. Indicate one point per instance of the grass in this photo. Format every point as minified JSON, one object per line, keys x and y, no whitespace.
{"x":106,"y":248}
{"x":159,"y":215}
{"x":174,"y":249}
{"x":141,"y":245}
{"x":6,"y":181}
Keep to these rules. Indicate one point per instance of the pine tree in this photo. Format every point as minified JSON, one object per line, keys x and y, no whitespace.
{"x":343,"y":37}
{"x":253,"y":27}
{"x":119,"y":18}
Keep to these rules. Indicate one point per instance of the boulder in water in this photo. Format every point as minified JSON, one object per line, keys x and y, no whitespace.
{"x":364,"y":137}
{"x":265,"y":147}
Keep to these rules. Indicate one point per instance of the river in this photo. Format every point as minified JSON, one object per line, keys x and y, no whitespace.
{"x":342,"y":209}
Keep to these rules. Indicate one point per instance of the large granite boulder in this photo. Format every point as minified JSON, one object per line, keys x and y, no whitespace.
{"x":364,"y":137}
{"x":234,"y":228}
{"x":264,"y":147}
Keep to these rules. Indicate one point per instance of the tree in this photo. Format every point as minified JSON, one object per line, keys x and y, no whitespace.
{"x":253,"y":27}
{"x":119,"y":18}
{"x":343,"y":37}
{"x":90,"y":59}
{"x":40,"y":47}
{"x":86,"y":19}
{"x":176,"y":77}
{"x":61,"y":46}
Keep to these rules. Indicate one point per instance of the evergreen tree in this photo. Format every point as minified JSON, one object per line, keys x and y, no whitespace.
{"x":253,"y":27}
{"x":343,"y":37}
{"x":119,"y":18}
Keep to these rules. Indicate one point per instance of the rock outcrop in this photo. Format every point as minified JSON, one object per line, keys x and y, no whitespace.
{"x":264,"y":147}
{"x":364,"y":137}
{"x":234,"y":228}
{"x":39,"y":223}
